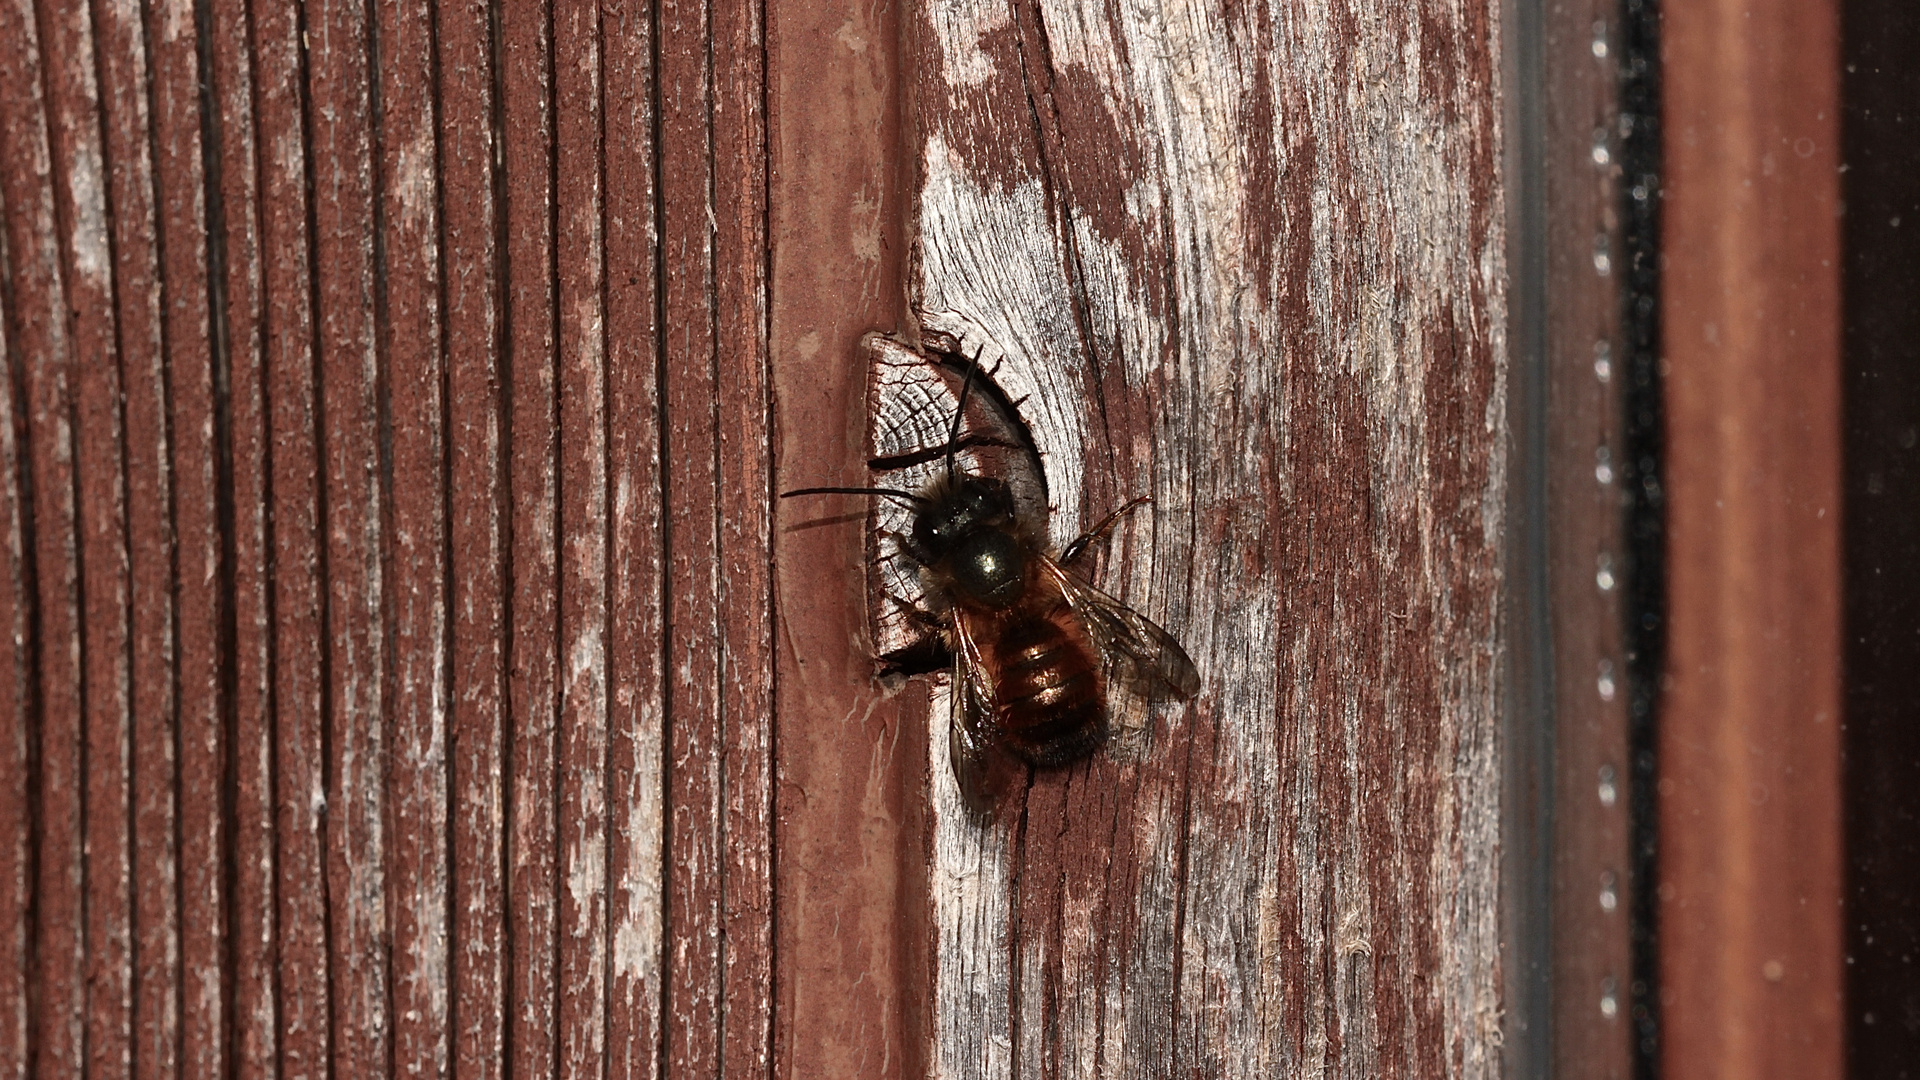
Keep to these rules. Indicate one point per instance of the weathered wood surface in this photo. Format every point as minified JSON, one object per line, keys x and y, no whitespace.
{"x":1249,"y":262}
{"x":388,"y":600}
{"x":389,"y":436}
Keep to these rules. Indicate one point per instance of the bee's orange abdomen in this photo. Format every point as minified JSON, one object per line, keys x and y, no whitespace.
{"x":1048,"y":698}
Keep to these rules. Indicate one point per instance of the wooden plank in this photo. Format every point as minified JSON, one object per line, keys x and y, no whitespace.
{"x":354,"y":650}
{"x":413,"y":572}
{"x":581,"y":259}
{"x":191,"y":470}
{"x":694,"y":728}
{"x":1273,"y":299}
{"x":16,"y":739}
{"x":743,"y":536}
{"x":1586,"y":560}
{"x":303,"y":885}
{"x":636,"y":662}
{"x":1750,"y":807}
{"x":476,"y":495}
{"x":154,"y":951}
{"x":533,"y":881}
{"x":853,"y":844}
{"x":83,"y":176}
{"x":39,"y":336}
{"x":241,"y":277}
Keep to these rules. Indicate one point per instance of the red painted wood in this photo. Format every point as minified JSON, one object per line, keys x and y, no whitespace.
{"x":189,"y":467}
{"x":84,"y":175}
{"x":296,"y":613}
{"x":354,"y":649}
{"x":533,"y":882}
{"x":244,"y":323}
{"x":41,"y":347}
{"x":850,"y":758}
{"x":694,"y":726}
{"x":743,"y":416}
{"x":477,"y":503}
{"x":16,"y":804}
{"x":582,"y":542}
{"x":153,"y":867}
{"x":413,"y":570}
{"x":636,"y":664}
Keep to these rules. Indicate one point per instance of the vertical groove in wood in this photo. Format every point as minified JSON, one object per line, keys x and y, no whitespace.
{"x":476,"y":500}
{"x":153,"y":860}
{"x":39,"y":338}
{"x":303,"y":887}
{"x":16,"y":682}
{"x":1751,"y":868}
{"x":533,"y":882}
{"x":334,"y":355}
{"x":695,"y":845}
{"x":414,"y":567}
{"x":743,"y":538}
{"x":636,"y":661}
{"x":338,"y":54}
{"x":84,"y":179}
{"x":184,"y":382}
{"x":247,"y":634}
{"x":581,"y":254}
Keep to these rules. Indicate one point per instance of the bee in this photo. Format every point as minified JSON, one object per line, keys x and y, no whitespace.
{"x":1031,"y":644}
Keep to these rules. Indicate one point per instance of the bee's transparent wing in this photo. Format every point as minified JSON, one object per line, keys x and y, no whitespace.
{"x":1141,"y":651}
{"x":970,"y":710}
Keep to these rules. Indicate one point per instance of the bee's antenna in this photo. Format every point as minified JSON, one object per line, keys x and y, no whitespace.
{"x":887,"y":493}
{"x":960,"y":410}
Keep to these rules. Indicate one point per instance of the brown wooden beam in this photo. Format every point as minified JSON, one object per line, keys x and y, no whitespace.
{"x":1750,"y":865}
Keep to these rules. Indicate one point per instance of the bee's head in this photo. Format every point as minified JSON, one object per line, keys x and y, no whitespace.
{"x":964,"y":508}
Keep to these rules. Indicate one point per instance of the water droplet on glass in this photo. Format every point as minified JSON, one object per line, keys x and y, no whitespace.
{"x":1601,"y":155}
{"x":1609,"y":892}
{"x":1600,"y":41}
{"x":1602,"y":361}
{"x":1609,"y":998}
{"x":1602,"y":262}
{"x":1603,"y":465}
{"x":1605,"y":682}
{"x":1604,"y":577}
{"x":1609,"y":793}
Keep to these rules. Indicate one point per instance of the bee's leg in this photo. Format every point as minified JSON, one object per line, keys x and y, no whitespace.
{"x":919,"y":614}
{"x":1099,"y":532}
{"x":905,"y":543}
{"x":926,"y":656}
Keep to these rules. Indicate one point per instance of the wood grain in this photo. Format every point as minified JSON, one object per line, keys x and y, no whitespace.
{"x":183,"y":388}
{"x":533,"y":884}
{"x":1751,"y":869}
{"x":413,"y":507}
{"x":239,"y":291}
{"x":852,"y":927}
{"x":477,"y":509}
{"x":402,"y":674}
{"x":636,"y":762}
{"x":41,"y":348}
{"x":1272,"y":298}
